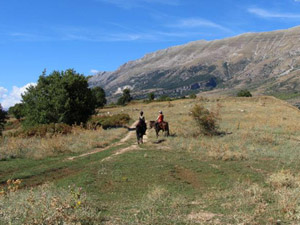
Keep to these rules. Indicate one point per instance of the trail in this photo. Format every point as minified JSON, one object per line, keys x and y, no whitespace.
{"x":118,"y":152}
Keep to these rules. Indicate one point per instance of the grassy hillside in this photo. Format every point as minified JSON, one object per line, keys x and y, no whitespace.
{"x":249,"y":175}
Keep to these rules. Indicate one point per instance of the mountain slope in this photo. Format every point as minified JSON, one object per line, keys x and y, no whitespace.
{"x":266,"y":62}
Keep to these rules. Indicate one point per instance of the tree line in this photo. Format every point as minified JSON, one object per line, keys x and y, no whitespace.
{"x":60,"y":97}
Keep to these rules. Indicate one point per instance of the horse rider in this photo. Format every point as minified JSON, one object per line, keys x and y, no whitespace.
{"x":159,"y":119}
{"x":142,"y":121}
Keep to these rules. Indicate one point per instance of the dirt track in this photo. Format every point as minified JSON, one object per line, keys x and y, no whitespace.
{"x":129,"y":135}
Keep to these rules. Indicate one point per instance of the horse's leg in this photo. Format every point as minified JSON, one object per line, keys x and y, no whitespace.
{"x":168,"y":131}
{"x":137,"y":137}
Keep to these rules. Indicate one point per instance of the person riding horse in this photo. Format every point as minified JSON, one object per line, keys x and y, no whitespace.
{"x":142,"y":121}
{"x":141,"y":128}
{"x":160,"y":119}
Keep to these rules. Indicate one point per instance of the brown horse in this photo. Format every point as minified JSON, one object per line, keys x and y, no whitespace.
{"x":164,"y":126}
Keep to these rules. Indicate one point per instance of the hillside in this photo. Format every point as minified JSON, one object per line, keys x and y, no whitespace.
{"x":266,"y":63}
{"x":248,"y":176}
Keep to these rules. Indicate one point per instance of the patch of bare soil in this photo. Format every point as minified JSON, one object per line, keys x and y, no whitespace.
{"x":187,"y":176}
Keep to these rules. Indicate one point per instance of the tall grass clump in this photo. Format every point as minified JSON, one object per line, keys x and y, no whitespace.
{"x":206,"y":121}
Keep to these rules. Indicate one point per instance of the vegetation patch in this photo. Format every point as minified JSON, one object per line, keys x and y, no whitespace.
{"x":47,"y":204}
{"x":42,"y":130}
{"x":107,"y":121}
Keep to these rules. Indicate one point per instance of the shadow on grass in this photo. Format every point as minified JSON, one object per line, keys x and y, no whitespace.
{"x":159,"y":141}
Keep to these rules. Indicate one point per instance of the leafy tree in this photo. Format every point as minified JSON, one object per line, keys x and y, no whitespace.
{"x":99,"y":95}
{"x":61,"y":97}
{"x":151,"y":96}
{"x":125,"y":98}
{"x":244,"y":93}
{"x":3,"y":117}
{"x":17,"y":111}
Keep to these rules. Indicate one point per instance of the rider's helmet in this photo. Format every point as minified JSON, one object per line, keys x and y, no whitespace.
{"x":141,"y":113}
{"x":160,"y":112}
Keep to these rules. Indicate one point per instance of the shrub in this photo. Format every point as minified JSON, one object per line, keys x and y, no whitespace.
{"x":61,"y":97}
{"x":193,"y":96}
{"x":43,"y":130}
{"x":244,"y":93}
{"x":164,"y":98}
{"x":118,"y":120}
{"x":3,"y":117}
{"x":205,"y":120}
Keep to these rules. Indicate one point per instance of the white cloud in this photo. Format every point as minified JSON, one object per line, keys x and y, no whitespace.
{"x":268,"y":14}
{"x":13,"y":97}
{"x":94,"y":71}
{"x":197,"y":22}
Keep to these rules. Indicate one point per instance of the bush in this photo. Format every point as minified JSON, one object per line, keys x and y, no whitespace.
{"x":205,"y":120}
{"x":61,"y":97}
{"x":43,"y":130}
{"x":3,"y":117}
{"x":118,"y":120}
{"x":244,"y":93}
{"x":164,"y":98}
{"x":193,"y":96}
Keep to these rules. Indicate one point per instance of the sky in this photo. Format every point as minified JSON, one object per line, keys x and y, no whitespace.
{"x":100,"y":35}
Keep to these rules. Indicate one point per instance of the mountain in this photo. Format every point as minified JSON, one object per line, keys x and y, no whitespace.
{"x":265,"y":63}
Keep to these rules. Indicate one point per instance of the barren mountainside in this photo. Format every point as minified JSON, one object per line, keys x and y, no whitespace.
{"x":262,"y":62}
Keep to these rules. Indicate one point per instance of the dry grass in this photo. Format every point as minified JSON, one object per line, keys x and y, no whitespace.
{"x":158,"y":206}
{"x":79,"y":141}
{"x":48,"y":205}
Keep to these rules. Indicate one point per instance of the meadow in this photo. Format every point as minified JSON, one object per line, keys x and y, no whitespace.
{"x":249,"y":174}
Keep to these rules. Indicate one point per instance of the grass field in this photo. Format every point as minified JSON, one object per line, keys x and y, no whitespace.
{"x":248,"y":175}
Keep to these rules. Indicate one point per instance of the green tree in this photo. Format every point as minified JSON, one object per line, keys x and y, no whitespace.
{"x":61,"y":97}
{"x":17,"y":111}
{"x":244,"y":93}
{"x":151,"y":96}
{"x":193,"y":96}
{"x":125,"y":98}
{"x":99,"y":95}
{"x":3,"y":117}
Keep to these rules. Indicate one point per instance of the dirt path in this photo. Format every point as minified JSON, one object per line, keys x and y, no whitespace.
{"x":122,"y":141}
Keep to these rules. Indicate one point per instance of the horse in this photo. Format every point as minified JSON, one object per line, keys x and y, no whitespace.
{"x":140,"y":129}
{"x":164,"y":126}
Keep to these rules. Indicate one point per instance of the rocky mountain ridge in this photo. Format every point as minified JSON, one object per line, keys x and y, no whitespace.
{"x":265,"y":63}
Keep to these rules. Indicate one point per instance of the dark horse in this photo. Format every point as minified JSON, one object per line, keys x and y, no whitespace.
{"x":140,"y":129}
{"x":164,"y":126}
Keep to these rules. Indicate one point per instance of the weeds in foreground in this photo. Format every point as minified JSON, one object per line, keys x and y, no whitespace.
{"x":47,"y":204}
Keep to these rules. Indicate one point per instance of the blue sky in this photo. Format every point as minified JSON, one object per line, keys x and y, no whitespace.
{"x":100,"y":35}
